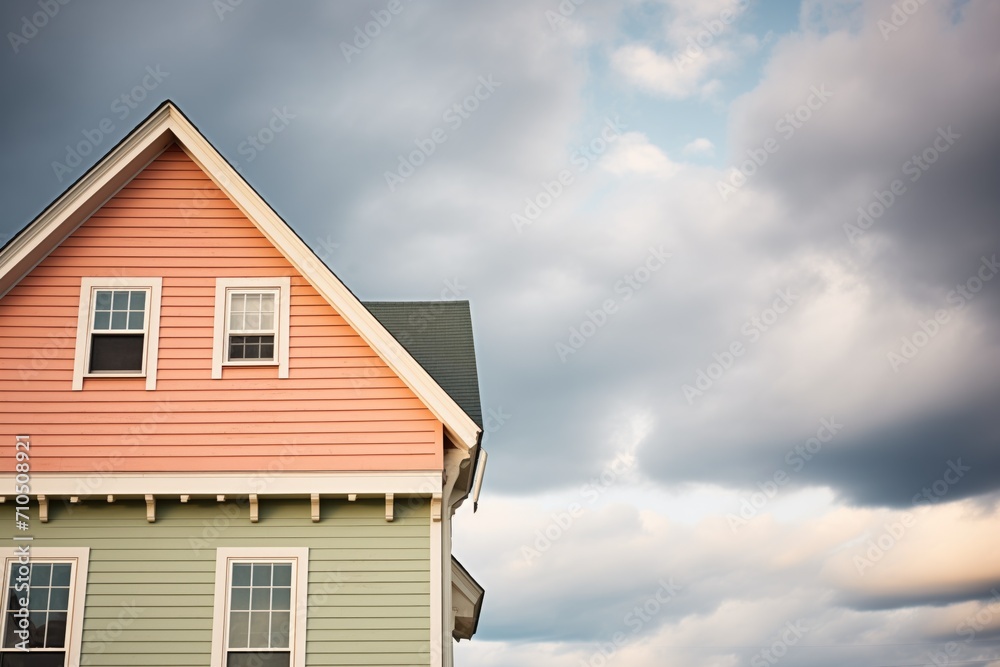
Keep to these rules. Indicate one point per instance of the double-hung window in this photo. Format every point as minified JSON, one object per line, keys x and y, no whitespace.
{"x":251,"y":323}
{"x":260,"y":601}
{"x":43,"y":608}
{"x":117,"y":331}
{"x":251,"y":327}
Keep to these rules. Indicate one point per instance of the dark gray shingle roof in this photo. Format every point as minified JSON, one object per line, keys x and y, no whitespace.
{"x":438,"y":334}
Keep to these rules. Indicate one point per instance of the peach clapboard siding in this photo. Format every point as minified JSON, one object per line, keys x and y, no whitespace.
{"x":340,"y":409}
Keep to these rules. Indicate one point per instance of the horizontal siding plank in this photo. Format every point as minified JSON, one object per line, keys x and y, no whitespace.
{"x":359,"y":427}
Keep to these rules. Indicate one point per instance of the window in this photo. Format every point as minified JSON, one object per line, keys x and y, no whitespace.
{"x":250,"y":331}
{"x":251,"y":323}
{"x":260,"y":602}
{"x":43,"y":608}
{"x":117,"y":333}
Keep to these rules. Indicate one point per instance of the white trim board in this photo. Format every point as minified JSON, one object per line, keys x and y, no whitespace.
{"x":424,"y":483}
{"x":163,"y":127}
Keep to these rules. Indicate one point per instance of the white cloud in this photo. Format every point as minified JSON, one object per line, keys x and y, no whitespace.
{"x":661,"y":74}
{"x":633,"y":154}
{"x":699,"y":147}
{"x":700,"y":38}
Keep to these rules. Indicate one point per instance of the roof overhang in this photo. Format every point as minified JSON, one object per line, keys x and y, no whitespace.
{"x":165,"y":126}
{"x":466,"y":599}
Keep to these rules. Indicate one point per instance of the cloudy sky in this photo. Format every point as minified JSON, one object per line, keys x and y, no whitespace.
{"x":733,"y":271}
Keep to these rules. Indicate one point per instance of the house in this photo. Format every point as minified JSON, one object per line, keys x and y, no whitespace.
{"x":215,"y":454}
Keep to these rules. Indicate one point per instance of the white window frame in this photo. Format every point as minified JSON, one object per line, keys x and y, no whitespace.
{"x":80,"y":558}
{"x":220,"y":343}
{"x":299,"y":558}
{"x":151,"y":335}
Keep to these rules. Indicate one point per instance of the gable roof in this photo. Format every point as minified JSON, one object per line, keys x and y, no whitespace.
{"x":439,"y":336}
{"x":168,"y":125}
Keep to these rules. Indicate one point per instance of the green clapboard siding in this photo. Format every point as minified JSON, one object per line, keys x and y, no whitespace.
{"x":151,"y":586}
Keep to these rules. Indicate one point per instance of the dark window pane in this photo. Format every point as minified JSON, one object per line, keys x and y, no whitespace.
{"x":282,"y":574}
{"x":61,"y":573}
{"x":59,"y":599}
{"x":9,"y":638}
{"x":258,"y":659}
{"x":280,"y":629}
{"x":20,"y":659}
{"x":259,"y":622}
{"x":102,"y":321}
{"x":261,"y":599}
{"x":120,"y":301}
{"x":241,"y":598}
{"x":281,"y":598}
{"x":251,"y":347}
{"x":262,"y":574}
{"x":241,"y":574}
{"x":36,"y":626}
{"x":41,"y":575}
{"x":239,"y":629}
{"x":138,"y":300}
{"x":116,"y":352}
{"x":39,"y":599}
{"x":55,"y":635}
{"x":103,"y":300}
